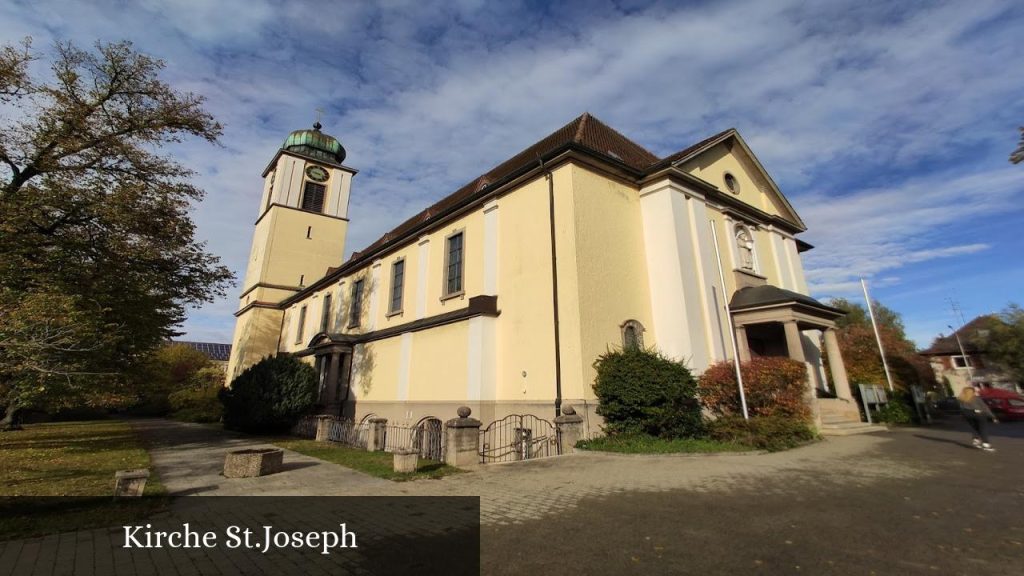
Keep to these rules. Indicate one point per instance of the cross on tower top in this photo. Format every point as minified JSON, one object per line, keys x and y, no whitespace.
{"x":317,"y":125}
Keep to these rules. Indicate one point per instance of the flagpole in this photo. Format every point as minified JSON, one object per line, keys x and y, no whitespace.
{"x":878,"y":336}
{"x":728,"y":317}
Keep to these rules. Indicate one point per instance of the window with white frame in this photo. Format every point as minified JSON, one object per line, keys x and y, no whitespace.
{"x":962,"y":362}
{"x":397,"y":286}
{"x":357,"y":304}
{"x":453,"y":265}
{"x":325,"y":314}
{"x":301,"y":327}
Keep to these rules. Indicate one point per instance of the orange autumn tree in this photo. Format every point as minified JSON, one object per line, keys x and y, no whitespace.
{"x":860,"y":349}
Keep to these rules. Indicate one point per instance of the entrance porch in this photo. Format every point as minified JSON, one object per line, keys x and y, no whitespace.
{"x":770,"y":321}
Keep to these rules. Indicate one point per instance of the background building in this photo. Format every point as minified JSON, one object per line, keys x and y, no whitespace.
{"x":972,"y":365}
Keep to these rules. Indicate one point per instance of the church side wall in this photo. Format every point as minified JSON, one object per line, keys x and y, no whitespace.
{"x":497,"y":365}
{"x":612,"y":279}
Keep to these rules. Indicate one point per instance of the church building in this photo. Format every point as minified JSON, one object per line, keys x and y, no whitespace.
{"x":501,"y":295}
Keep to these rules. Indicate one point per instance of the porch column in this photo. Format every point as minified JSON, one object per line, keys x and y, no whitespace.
{"x":835,"y":363}
{"x":332,"y":382}
{"x":742,"y":346}
{"x":793,"y":342}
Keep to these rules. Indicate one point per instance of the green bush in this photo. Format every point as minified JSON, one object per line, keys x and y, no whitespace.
{"x":269,"y":396}
{"x":774,"y":386}
{"x":199,"y":402}
{"x":770,"y":433}
{"x":895,"y":412}
{"x":641,"y":391}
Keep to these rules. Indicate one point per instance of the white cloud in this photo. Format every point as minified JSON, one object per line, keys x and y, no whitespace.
{"x":426,"y":96}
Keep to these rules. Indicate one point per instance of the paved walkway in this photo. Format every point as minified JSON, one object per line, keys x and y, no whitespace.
{"x":188,"y":459}
{"x":909,"y":501}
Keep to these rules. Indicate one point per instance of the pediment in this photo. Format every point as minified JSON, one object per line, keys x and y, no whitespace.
{"x":729,"y":154}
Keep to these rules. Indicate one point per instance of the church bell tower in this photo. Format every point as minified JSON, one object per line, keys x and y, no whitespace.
{"x":300,"y":233}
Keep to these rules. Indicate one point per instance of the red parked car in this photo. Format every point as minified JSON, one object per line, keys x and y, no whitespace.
{"x":1005,"y":405}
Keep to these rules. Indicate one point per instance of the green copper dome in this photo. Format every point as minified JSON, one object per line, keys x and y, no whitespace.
{"x":316,"y":144}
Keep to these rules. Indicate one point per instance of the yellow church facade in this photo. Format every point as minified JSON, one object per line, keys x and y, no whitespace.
{"x":501,"y":296}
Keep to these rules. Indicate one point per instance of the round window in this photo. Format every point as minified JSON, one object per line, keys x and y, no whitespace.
{"x":731,"y":183}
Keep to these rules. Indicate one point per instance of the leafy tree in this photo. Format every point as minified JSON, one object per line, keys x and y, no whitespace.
{"x":1018,"y":155}
{"x":170,"y":368}
{"x":860,"y":349}
{"x":1005,"y":343}
{"x":94,"y":220}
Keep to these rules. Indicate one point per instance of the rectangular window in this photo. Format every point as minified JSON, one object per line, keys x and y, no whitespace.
{"x":960,"y":362}
{"x":325,"y":315}
{"x":313,"y":197}
{"x":453,"y":265}
{"x":397,"y":284}
{"x":357,"y":304}
{"x":302,"y":325}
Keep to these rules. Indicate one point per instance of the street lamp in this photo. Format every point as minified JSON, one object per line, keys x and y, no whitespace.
{"x":967,"y":361}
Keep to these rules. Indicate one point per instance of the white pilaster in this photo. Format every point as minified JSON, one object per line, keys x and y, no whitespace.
{"x":482,"y":362}
{"x":707,"y":271}
{"x":674,"y":284}
{"x":375,"y":290}
{"x":404,"y":362}
{"x":491,"y":248}
{"x":796,"y":266}
{"x":782,"y":276}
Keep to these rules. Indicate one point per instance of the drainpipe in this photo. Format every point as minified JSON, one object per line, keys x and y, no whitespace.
{"x":554,"y":288}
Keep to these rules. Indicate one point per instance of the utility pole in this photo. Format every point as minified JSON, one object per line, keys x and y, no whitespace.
{"x":878,"y":336}
{"x":957,"y":313}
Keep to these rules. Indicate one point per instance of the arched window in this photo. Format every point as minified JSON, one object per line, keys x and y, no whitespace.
{"x":632,"y":335}
{"x":745,"y":247}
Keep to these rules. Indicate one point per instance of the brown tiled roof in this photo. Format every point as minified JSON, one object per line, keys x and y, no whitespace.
{"x":685,"y":152}
{"x":585,"y":131}
{"x":972,"y":336}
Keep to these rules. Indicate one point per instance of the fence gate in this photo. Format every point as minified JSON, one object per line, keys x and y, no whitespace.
{"x":429,"y":439}
{"x":518,"y":437}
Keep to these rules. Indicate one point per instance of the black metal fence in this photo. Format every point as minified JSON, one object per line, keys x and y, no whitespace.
{"x":518,"y":437}
{"x":426,"y":437}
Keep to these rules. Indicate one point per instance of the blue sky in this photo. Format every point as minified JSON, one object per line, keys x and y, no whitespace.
{"x":887,"y":125}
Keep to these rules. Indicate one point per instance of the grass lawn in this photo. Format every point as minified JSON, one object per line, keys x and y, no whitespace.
{"x":643,"y":444}
{"x":70,"y":459}
{"x":379,"y":464}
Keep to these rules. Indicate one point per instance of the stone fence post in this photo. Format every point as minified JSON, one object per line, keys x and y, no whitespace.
{"x":462,"y":440}
{"x":570,"y":430}
{"x":323,"y":427}
{"x":375,"y":437}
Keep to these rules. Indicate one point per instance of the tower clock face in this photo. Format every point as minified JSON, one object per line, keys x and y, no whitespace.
{"x":316,"y":174}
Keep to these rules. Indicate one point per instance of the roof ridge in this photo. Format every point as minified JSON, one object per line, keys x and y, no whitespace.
{"x":578,"y":137}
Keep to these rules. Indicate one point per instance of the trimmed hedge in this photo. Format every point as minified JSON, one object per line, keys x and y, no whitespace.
{"x":774,"y":386}
{"x":770,"y":433}
{"x":269,"y":396}
{"x":641,"y":391}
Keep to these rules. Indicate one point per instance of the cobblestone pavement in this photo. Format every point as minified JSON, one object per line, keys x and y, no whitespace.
{"x":530,"y":498}
{"x":188,"y":459}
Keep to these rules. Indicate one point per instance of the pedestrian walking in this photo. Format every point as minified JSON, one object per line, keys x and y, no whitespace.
{"x":977,"y":414}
